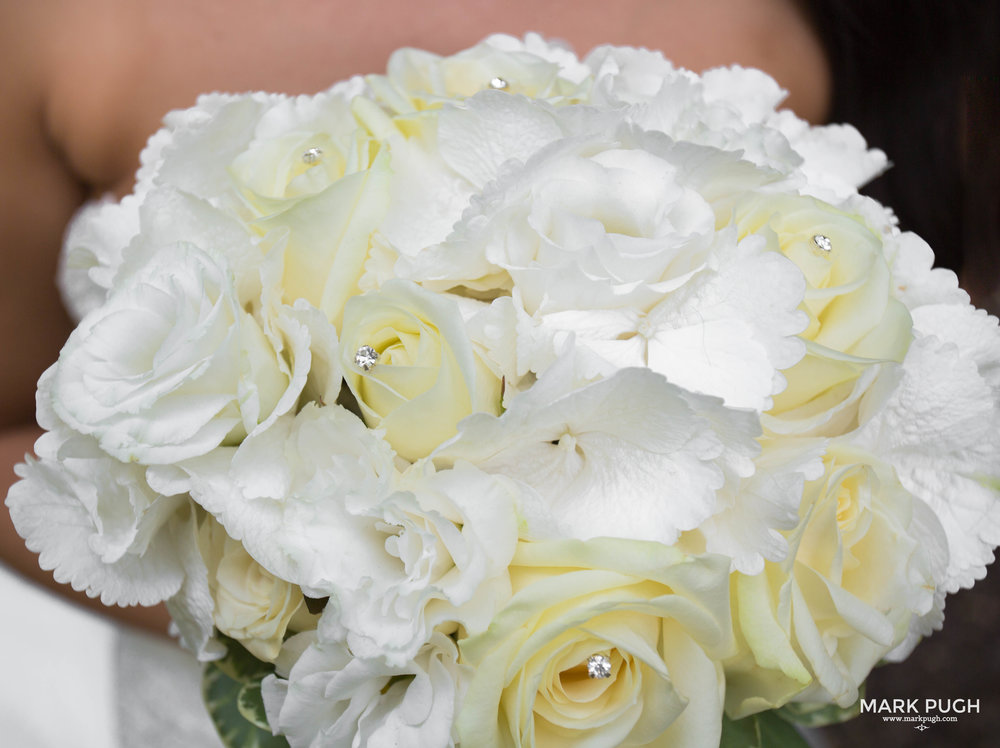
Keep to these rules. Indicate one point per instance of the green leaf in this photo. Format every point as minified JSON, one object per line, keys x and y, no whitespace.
{"x":231,"y":689}
{"x":240,"y":665}
{"x":819,"y":715}
{"x":250,"y":702}
{"x":764,"y":730}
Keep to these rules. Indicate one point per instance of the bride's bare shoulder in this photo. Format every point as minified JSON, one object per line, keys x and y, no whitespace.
{"x":86,"y":81}
{"x":106,"y":71}
{"x":119,"y":65}
{"x":38,"y":194}
{"x":114,"y":67}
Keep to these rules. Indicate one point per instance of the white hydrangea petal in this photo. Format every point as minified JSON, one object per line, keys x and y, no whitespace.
{"x":754,"y":94}
{"x":427,"y":197}
{"x":629,"y":456}
{"x":836,"y":158}
{"x":492,"y":128}
{"x":721,"y":336}
{"x":976,"y":333}
{"x":626,"y":74}
{"x":940,"y":429}
{"x":915,"y":279}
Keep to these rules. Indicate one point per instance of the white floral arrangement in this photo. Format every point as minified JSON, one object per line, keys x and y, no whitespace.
{"x":509,"y":399}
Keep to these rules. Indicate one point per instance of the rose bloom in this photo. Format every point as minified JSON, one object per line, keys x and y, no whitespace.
{"x":417,"y":79}
{"x":861,"y":564}
{"x":608,"y":238}
{"x":427,"y":375}
{"x":172,"y":366}
{"x":323,"y":694}
{"x":659,"y":618}
{"x":302,"y":168}
{"x":251,"y":605}
{"x":855,"y":321}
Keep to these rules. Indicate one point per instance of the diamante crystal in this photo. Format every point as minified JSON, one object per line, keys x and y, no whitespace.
{"x":312,"y":155}
{"x":823,"y":242}
{"x":599,"y":666}
{"x":498,"y":83}
{"x":366,"y":357}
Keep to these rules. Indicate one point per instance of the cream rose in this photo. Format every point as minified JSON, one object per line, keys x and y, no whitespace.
{"x":301,"y":167}
{"x":412,"y":368}
{"x":532,"y":67}
{"x":650,"y":620}
{"x":300,"y":146}
{"x":171,"y":366}
{"x":251,"y":605}
{"x":859,"y":567}
{"x":854,"y":320}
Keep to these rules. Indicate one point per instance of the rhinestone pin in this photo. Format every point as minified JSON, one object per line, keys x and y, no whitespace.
{"x":823,"y":242}
{"x":366,"y":357}
{"x":312,"y":156}
{"x":498,"y":83}
{"x":599,"y":666}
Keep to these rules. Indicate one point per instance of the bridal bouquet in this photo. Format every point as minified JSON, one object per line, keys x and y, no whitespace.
{"x":509,"y":399}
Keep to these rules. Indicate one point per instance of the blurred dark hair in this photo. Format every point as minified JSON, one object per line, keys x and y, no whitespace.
{"x":921,"y":80}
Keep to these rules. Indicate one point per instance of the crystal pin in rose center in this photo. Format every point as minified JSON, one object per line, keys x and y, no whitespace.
{"x":366,"y":357}
{"x":599,"y":666}
{"x":312,"y":156}
{"x":823,"y":242}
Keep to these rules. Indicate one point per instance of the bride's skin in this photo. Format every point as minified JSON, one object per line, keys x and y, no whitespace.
{"x":85,"y":82}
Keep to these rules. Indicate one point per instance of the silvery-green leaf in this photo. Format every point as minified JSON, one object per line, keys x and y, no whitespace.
{"x":764,"y":730}
{"x":819,"y":715}
{"x":231,"y":689}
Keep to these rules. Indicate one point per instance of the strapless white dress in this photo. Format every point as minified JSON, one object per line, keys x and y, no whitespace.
{"x":73,"y":679}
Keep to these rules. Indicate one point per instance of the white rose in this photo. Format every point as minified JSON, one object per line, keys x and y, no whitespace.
{"x":402,"y":554}
{"x":612,"y":240}
{"x":296,"y":494}
{"x":860,"y":566}
{"x":855,"y":321}
{"x":726,"y":108}
{"x":300,"y":146}
{"x":417,"y":79}
{"x":444,"y":542}
{"x":425,"y":375}
{"x":251,"y":605}
{"x":329,"y":697}
{"x":257,"y":154}
{"x":171,"y":366}
{"x":735,"y":109}
{"x":302,"y":167}
{"x":658,"y":619}
{"x":610,"y":220}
